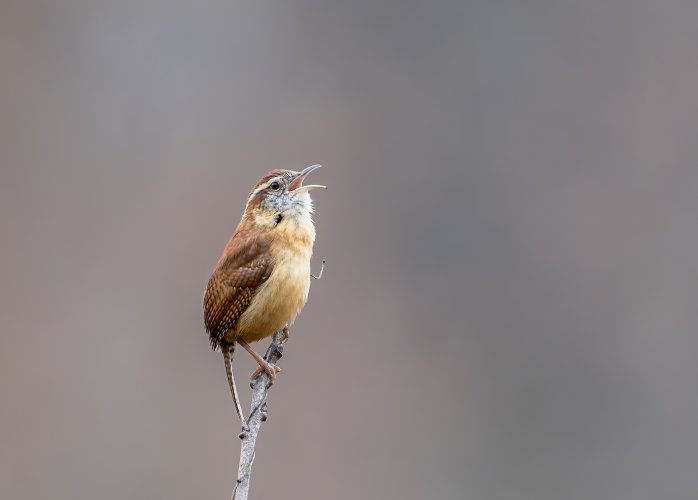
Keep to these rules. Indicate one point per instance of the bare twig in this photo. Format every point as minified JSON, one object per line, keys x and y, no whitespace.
{"x":258,"y":414}
{"x":322,"y":268}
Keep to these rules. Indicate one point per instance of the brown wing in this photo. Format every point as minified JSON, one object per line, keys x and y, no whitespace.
{"x":238,"y":276}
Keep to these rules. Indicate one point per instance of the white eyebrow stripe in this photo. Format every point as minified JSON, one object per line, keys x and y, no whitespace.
{"x":261,"y":188}
{"x":252,"y":195}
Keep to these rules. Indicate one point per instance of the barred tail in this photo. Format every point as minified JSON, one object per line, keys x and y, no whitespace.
{"x":228,"y":350}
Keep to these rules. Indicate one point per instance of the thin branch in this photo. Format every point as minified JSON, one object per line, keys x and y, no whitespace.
{"x":258,"y":414}
{"x":322,"y":268}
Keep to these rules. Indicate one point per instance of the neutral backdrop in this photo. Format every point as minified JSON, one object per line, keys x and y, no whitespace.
{"x":510,"y":304}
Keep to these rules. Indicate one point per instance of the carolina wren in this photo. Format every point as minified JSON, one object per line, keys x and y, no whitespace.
{"x":261,"y":280}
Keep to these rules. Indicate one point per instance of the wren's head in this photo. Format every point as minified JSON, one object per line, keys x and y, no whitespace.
{"x":281,"y":195}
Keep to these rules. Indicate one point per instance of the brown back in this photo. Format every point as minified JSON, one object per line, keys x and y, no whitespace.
{"x":245,"y":265}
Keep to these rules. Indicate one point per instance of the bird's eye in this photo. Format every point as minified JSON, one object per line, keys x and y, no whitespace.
{"x":275,"y":186}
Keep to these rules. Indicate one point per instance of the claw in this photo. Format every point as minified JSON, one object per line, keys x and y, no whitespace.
{"x":270,"y":369}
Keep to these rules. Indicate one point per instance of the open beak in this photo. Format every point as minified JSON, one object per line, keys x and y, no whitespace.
{"x":297,"y":186}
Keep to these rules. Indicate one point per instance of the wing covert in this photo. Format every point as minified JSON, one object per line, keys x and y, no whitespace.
{"x":233,"y":285}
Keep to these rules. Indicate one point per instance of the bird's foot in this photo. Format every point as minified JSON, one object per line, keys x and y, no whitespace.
{"x":270,"y":368}
{"x":284,"y":337}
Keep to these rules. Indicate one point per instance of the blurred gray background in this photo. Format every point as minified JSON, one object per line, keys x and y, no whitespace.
{"x":509,"y":306}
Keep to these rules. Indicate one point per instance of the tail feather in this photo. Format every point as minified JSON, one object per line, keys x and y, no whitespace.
{"x":228,"y":350}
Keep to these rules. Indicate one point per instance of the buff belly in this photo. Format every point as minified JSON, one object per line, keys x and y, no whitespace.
{"x":279,"y":300}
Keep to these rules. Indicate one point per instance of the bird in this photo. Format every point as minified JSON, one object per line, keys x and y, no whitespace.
{"x":262,"y":278}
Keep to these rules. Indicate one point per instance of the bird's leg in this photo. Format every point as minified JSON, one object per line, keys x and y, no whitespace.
{"x":284,"y":339}
{"x":264,"y":365}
